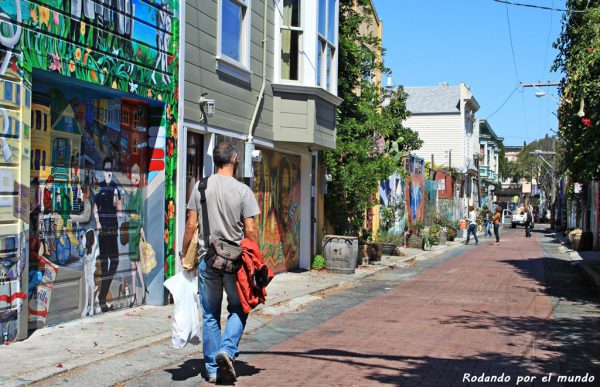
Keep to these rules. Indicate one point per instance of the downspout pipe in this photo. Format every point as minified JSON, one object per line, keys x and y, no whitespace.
{"x":250,"y":138}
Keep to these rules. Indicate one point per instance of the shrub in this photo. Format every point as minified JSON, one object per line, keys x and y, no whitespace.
{"x":318,"y":262}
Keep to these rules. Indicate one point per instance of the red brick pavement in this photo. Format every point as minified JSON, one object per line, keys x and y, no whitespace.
{"x":483,"y":311}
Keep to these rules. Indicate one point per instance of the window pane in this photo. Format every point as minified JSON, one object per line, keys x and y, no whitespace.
{"x":329,"y":56}
{"x":8,"y":91}
{"x":289,"y":54}
{"x":331,"y":21}
{"x":322,"y":16}
{"x":291,"y":13}
{"x":319,"y":62}
{"x":231,"y":29}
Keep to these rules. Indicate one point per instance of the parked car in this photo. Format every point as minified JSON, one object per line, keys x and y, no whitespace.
{"x":519,"y":217}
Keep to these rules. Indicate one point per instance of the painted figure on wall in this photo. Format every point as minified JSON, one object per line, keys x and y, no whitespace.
{"x":415,"y":190}
{"x":106,"y":205}
{"x":277,"y":189}
{"x":134,"y":211}
{"x":391,"y":194}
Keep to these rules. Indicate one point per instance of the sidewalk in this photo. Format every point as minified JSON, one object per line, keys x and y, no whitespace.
{"x":587,"y":261}
{"x":54,"y":350}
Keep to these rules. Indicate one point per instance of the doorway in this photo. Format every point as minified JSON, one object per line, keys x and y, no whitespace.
{"x":194,"y":162}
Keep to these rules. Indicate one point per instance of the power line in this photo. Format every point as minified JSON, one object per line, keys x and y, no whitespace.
{"x":503,"y":103}
{"x":540,"y":7}
{"x":512,"y":49}
{"x":548,"y":42}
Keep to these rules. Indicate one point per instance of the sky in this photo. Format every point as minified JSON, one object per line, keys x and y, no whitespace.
{"x":428,"y":42}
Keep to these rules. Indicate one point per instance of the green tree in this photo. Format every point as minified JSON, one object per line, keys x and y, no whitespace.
{"x":359,"y":163}
{"x":579,"y":112}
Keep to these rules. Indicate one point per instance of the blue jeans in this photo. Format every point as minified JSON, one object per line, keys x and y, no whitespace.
{"x":472,"y":230}
{"x":211,"y":284}
{"x":488,"y":231}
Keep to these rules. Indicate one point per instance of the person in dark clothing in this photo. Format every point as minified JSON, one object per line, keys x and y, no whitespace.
{"x":106,"y":204}
{"x":528,"y":220}
{"x":497,"y":220}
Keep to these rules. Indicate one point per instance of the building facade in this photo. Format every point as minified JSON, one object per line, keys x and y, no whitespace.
{"x":89,"y":101}
{"x":489,"y":162}
{"x":444,"y":117}
{"x":262,"y":75}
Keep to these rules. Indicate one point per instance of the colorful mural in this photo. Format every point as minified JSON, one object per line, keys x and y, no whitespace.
{"x":131,"y":48}
{"x":392,"y":196}
{"x":277,"y":189}
{"x":415,"y":189}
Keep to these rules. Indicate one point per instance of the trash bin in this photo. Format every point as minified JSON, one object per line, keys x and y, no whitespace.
{"x":341,"y":253}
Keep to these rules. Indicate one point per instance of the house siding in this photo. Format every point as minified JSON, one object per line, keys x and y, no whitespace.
{"x":439,"y":133}
{"x":234,"y":100}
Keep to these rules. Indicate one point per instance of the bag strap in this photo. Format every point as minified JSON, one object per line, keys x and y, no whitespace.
{"x":205,"y":225}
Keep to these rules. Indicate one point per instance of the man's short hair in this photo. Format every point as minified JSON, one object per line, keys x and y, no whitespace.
{"x":223,"y":153}
{"x":106,"y":160}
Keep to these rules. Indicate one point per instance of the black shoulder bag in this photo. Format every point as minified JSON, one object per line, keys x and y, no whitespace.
{"x":222,"y":255}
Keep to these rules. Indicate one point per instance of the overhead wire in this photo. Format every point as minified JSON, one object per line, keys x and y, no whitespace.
{"x":547,"y":42}
{"x":512,"y":48}
{"x":503,"y":103}
{"x":540,"y":6}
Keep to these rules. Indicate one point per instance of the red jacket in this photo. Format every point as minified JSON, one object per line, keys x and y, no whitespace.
{"x":252,"y":262}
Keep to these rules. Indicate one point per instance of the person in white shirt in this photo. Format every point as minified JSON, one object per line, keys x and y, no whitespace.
{"x":472,"y":225}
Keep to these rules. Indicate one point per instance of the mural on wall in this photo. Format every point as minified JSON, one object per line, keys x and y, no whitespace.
{"x":277,"y":189}
{"x":392,"y":197}
{"x":88,"y":167}
{"x":128,"y":46}
{"x":415,"y":189}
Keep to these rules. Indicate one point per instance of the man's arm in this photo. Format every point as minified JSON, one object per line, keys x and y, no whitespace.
{"x":250,"y":230}
{"x":190,"y":227}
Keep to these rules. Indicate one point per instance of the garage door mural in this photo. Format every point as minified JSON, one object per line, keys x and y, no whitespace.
{"x":88,"y":107}
{"x":277,"y":189}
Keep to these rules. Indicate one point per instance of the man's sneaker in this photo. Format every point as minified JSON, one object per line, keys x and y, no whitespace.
{"x":227,"y":372}
{"x":212,"y":379}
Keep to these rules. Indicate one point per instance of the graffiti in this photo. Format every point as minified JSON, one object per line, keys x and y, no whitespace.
{"x":277,"y":189}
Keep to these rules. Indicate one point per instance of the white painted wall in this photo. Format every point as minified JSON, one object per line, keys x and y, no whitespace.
{"x":440,"y":133}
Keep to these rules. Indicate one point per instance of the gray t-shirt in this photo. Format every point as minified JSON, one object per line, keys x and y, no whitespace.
{"x":228,"y":202}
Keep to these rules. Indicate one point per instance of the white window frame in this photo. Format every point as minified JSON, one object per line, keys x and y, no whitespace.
{"x":225,"y":64}
{"x":333,"y":45}
{"x":279,"y":27}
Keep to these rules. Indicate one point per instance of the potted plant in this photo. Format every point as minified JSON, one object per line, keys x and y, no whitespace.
{"x":414,"y":238}
{"x":427,"y":241}
{"x":434,"y":234}
{"x":389,"y":240}
{"x":451,"y":233}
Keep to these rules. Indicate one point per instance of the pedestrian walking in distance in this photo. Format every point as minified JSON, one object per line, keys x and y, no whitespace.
{"x":472,"y":218}
{"x":231,"y":208}
{"x":528,"y":220}
{"x":488,"y":222}
{"x":496,"y":220}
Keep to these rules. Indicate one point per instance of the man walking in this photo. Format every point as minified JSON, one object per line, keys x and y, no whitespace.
{"x":472,"y":225}
{"x":106,"y":204}
{"x":231,"y":208}
{"x":528,"y":220}
{"x":497,"y":219}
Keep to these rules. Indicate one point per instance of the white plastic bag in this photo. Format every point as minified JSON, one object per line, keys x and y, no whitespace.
{"x":186,"y":319}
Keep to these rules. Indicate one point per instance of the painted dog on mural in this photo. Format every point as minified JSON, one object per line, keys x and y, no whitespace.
{"x":90,"y":241}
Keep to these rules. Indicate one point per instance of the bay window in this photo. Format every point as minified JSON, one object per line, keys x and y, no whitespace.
{"x":326,"y":44}
{"x":290,"y":37}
